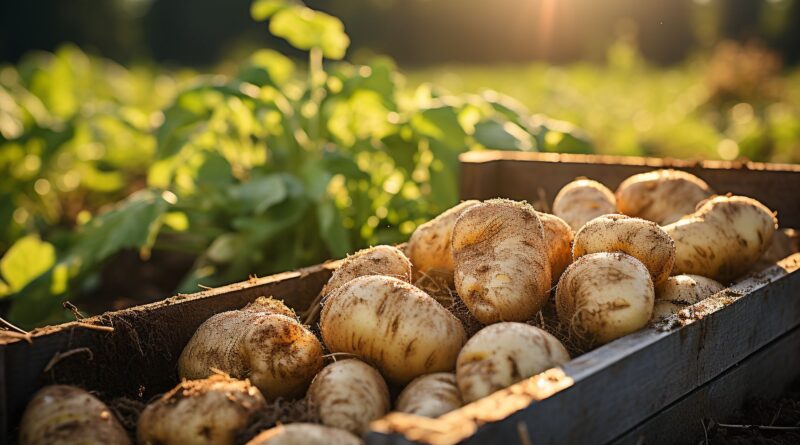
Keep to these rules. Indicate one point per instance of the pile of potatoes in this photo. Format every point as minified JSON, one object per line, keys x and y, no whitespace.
{"x":609,"y":263}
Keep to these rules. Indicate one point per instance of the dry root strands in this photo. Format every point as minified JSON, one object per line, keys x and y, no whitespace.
{"x":393,"y":325}
{"x":723,"y":238}
{"x":582,"y":200}
{"x":661,"y":196}
{"x":503,"y":354}
{"x":604,"y":296}
{"x":304,"y":434}
{"x":430,"y":395}
{"x":558,"y":236}
{"x":378,"y":260}
{"x":61,"y":414}
{"x":681,"y":291}
{"x":208,"y":411}
{"x":641,"y":239}
{"x":502,"y":268}
{"x":263,"y":342}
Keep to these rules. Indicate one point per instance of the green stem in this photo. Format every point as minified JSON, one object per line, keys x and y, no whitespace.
{"x":316,"y":81}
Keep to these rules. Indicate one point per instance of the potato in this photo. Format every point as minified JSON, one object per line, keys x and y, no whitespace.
{"x":681,"y":291}
{"x":430,"y":395}
{"x":503,"y":354}
{"x":378,"y":260}
{"x":558,"y":236}
{"x":208,"y":411}
{"x":582,"y":200}
{"x":604,"y":296}
{"x":429,"y":245}
{"x":723,"y":238}
{"x":304,"y":434}
{"x":349,"y":394}
{"x":62,"y":414}
{"x":661,"y":196}
{"x":393,"y":325}
{"x":263,"y":342}
{"x":502,"y":269}
{"x":641,"y":239}
{"x":784,"y":243}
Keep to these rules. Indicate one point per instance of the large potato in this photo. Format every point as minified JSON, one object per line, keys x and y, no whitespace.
{"x":429,"y":245}
{"x":263,"y":342}
{"x":430,"y":395}
{"x":503,"y":354}
{"x":349,"y":394}
{"x":393,"y":325}
{"x":61,"y":414}
{"x":662,"y":196}
{"x":208,"y":411}
{"x":558,"y":236}
{"x":604,"y":296}
{"x":502,"y":267}
{"x":304,"y":434}
{"x":378,"y":260}
{"x":723,"y":238}
{"x":681,"y":291}
{"x":582,"y":200}
{"x":641,"y":239}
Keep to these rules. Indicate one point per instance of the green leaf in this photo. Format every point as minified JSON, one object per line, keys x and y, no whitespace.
{"x":28,"y":258}
{"x":443,"y":177}
{"x":498,"y":135}
{"x":261,"y":10}
{"x":225,"y":247}
{"x":305,"y":28}
{"x":4,"y":289}
{"x":440,"y":123}
{"x":259,"y":194}
{"x":267,"y":67}
{"x":332,"y":229}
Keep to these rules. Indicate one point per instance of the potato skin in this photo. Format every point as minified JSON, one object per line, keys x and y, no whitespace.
{"x":662,"y":196}
{"x":393,"y":325}
{"x":502,"y":354}
{"x":208,"y":411}
{"x":639,"y":238}
{"x":502,"y":267}
{"x":63,"y":414}
{"x":304,"y":434}
{"x":681,"y":291}
{"x":583,"y":200}
{"x":430,"y":395}
{"x":263,"y":342}
{"x":349,"y":394}
{"x":558,"y":236}
{"x":429,"y":247}
{"x":377,"y":260}
{"x":604,"y":296}
{"x":723,"y":238}
{"x":784,"y":243}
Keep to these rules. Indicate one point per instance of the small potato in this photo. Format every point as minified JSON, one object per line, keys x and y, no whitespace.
{"x":430,"y":395}
{"x":378,"y":260}
{"x":558,"y":236}
{"x":503,"y":354}
{"x":304,"y":434}
{"x":263,"y":342}
{"x":502,"y":267}
{"x":349,"y":394}
{"x":723,"y":238}
{"x":62,"y":414}
{"x":641,"y":239}
{"x":604,"y":296}
{"x":681,"y":291}
{"x":583,"y":200}
{"x":391,"y":324}
{"x":429,"y":245}
{"x":661,"y":196}
{"x":208,"y":411}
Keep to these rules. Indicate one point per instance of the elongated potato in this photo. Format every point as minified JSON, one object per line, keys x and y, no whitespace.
{"x":430,"y":395}
{"x":304,"y":434}
{"x":502,"y":267}
{"x":583,"y":200}
{"x":604,"y":296}
{"x":378,"y":260}
{"x":208,"y":411}
{"x":503,"y":354}
{"x":62,"y":414}
{"x":349,"y":394}
{"x":641,"y":239}
{"x":723,"y":238}
{"x":558,"y":236}
{"x":263,"y":342}
{"x":429,"y":246}
{"x":661,"y":196}
{"x":681,"y":291}
{"x":393,"y":325}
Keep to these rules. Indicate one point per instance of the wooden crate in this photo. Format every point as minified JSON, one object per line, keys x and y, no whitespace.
{"x":623,"y":391}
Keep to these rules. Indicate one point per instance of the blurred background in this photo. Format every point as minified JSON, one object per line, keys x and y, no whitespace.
{"x":154,"y":146}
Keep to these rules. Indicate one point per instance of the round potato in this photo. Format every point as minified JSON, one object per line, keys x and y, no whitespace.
{"x":661,"y":196}
{"x":558,"y":236}
{"x":583,"y":200}
{"x":430,"y":395}
{"x":502,"y":268}
{"x":304,"y":434}
{"x":681,"y":291}
{"x":378,"y":260}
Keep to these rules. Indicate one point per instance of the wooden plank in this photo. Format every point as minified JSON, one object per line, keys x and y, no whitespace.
{"x":764,"y":374}
{"x":611,"y":389}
